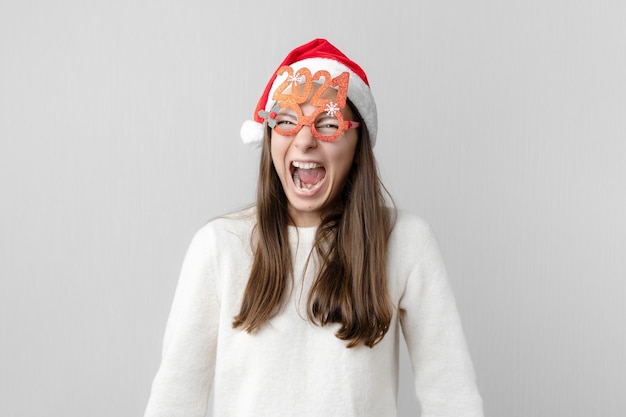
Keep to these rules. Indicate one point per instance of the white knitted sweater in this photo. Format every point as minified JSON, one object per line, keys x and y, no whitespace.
{"x":294,"y":368}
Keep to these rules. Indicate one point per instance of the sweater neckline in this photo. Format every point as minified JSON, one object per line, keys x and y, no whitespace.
{"x":302,"y":235}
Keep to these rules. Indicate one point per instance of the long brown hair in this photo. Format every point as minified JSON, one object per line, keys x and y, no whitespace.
{"x":351,"y":244}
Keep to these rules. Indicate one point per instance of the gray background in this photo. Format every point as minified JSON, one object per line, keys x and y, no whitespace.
{"x":502,"y":123}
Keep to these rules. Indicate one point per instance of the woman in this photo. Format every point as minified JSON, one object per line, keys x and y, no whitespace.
{"x":294,"y":307}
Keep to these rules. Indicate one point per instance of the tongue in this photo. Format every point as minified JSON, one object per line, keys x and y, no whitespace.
{"x":311,"y":176}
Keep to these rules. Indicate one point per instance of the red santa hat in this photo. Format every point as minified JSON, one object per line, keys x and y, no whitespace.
{"x":319,"y":54}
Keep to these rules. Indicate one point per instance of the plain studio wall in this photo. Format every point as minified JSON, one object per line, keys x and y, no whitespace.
{"x":502,"y":123}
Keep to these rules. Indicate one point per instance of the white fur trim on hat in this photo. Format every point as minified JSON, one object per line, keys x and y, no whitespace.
{"x":252,"y":133}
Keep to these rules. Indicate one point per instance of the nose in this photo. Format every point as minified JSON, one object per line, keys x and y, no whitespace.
{"x":304,"y":139}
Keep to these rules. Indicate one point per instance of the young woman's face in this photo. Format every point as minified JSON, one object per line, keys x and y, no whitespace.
{"x":313,"y":172}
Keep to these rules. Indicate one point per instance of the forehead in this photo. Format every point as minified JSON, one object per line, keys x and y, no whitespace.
{"x":327,"y":93}
{"x":299,"y":86}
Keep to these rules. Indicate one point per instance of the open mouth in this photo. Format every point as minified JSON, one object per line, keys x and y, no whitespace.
{"x":307,"y":176}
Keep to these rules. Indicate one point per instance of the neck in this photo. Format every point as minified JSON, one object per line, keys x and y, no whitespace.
{"x":305,"y":219}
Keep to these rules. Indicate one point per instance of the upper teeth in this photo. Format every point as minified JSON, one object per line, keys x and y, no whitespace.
{"x":305,"y":165}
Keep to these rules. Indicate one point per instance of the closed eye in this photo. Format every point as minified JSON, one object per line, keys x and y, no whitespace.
{"x":286,"y":120}
{"x":327,"y":123}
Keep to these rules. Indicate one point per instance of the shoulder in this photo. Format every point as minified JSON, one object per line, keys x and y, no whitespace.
{"x":413,"y":256}
{"x":412,"y":237}
{"x":411,"y":227}
{"x":237,"y":226}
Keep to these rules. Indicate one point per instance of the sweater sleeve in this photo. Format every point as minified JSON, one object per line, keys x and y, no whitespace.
{"x":443,"y":372}
{"x":182,"y":384}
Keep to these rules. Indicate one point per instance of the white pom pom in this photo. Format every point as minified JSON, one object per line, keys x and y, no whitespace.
{"x":252,"y":133}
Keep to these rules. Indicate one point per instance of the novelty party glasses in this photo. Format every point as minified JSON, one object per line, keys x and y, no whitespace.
{"x":325,"y":125}
{"x":296,"y":88}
